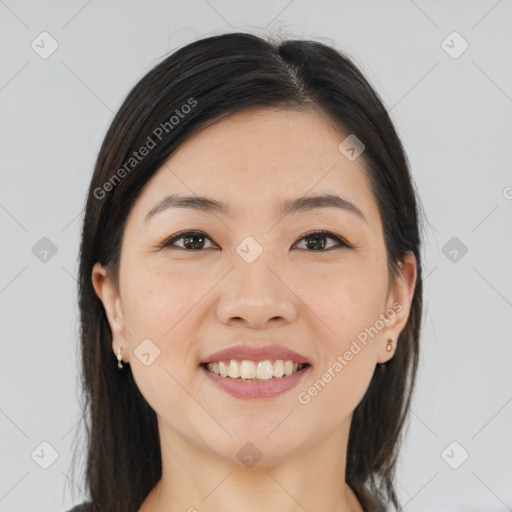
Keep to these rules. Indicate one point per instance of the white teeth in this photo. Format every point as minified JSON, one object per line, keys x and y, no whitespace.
{"x":264,"y":370}
{"x":223,"y":369}
{"x":234,"y":369}
{"x":252,"y":370}
{"x":278,"y":368}
{"x":248,"y":369}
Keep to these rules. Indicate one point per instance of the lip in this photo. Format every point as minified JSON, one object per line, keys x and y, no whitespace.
{"x":256,"y":389}
{"x":245,"y":352}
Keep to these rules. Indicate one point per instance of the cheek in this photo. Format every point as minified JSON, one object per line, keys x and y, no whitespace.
{"x":159,"y":302}
{"x":346,"y":354}
{"x":157,"y":323}
{"x":349,"y":302}
{"x":159,"y":312}
{"x":346,"y":300}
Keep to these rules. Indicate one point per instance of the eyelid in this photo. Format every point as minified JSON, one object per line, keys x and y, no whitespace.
{"x":167,"y":243}
{"x":328,"y":234}
{"x":342,"y":242}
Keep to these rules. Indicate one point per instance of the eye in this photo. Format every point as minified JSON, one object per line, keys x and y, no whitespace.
{"x":196,"y":240}
{"x":192,"y":240}
{"x":316,"y":240}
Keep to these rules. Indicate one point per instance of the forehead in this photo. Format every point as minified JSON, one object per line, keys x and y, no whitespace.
{"x":273,"y":137}
{"x":262,"y":157}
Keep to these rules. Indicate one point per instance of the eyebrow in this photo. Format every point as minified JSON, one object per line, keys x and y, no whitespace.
{"x":209,"y":205}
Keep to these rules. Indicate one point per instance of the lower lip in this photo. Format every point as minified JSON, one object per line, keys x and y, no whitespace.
{"x":254,"y":388}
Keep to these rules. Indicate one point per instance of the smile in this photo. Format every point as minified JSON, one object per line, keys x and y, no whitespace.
{"x":288,"y":375}
{"x":254,"y":370}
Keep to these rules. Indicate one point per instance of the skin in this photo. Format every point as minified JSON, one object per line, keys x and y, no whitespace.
{"x":314,"y":302}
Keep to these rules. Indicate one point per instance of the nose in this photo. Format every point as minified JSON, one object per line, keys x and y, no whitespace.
{"x":255,"y":295}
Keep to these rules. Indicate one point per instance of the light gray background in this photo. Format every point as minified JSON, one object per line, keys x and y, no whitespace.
{"x":454,"y":116}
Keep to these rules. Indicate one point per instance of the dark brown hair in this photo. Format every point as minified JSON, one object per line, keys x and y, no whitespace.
{"x":197,"y":85}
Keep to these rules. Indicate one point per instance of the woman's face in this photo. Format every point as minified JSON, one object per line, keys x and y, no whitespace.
{"x":251,"y":278}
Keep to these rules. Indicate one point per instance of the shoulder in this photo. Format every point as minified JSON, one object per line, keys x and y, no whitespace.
{"x":84,"y":507}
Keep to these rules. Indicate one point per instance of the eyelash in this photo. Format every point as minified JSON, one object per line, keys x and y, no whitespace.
{"x":169,"y":243}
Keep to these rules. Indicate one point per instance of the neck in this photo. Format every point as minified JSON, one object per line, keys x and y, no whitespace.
{"x":193,"y":480}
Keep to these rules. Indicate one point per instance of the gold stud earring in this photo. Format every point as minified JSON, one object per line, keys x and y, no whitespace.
{"x":119,"y":357}
{"x":389,"y":346}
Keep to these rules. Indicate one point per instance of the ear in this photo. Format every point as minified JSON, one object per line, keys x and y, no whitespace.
{"x":109,"y":296}
{"x":398,"y":306}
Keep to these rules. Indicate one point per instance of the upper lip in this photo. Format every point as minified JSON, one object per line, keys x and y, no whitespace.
{"x":269,"y":352}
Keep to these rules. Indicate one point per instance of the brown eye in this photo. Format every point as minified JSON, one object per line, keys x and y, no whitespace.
{"x":318,"y":241}
{"x":190,"y":240}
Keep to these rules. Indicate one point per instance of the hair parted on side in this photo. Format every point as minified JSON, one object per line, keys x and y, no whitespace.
{"x":215,"y":77}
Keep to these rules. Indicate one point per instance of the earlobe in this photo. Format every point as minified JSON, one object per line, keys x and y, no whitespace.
{"x":399,"y":302}
{"x":387,"y":350}
{"x":108,"y":295}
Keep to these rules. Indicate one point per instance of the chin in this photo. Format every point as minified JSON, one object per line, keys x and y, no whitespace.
{"x":254,"y":446}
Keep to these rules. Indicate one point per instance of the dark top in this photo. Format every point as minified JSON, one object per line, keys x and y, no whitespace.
{"x":372,"y":506}
{"x":84,"y":507}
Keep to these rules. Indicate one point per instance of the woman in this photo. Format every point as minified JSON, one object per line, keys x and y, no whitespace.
{"x":250,"y":287}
